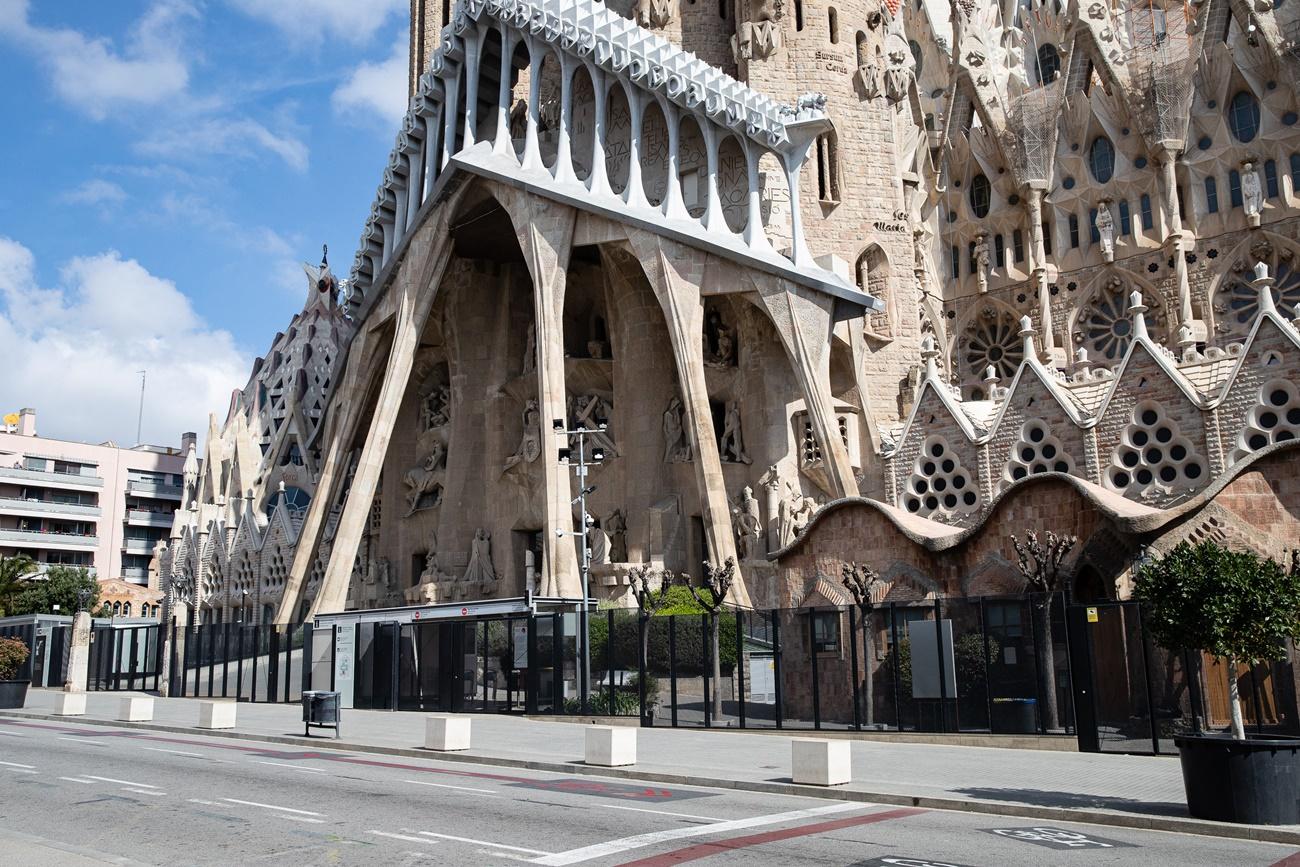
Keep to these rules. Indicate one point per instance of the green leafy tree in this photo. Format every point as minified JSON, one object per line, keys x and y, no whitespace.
{"x":62,"y":586}
{"x":1230,"y":604}
{"x":14,"y":572}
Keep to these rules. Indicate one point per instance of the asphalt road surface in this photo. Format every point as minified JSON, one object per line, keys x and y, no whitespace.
{"x":74,"y":794}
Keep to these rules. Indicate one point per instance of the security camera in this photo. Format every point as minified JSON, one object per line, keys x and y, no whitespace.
{"x":557,"y":424}
{"x":559,"y":534}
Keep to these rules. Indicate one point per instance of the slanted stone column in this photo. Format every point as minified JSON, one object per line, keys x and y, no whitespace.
{"x":563,"y":146}
{"x":532,"y":146}
{"x":545,"y":233}
{"x":1035,"y":206}
{"x":675,"y":273}
{"x":1187,"y":325}
{"x":502,"y":145}
{"x":598,"y":180}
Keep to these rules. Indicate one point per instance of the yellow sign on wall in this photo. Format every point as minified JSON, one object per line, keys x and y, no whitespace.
{"x":1092,"y":615}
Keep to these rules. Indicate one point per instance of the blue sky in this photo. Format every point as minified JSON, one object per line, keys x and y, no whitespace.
{"x":166,"y":166}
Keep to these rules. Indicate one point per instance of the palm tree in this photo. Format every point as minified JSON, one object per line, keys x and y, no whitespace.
{"x":14,"y":572}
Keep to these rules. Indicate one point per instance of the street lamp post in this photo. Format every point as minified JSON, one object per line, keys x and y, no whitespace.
{"x":581,"y":469}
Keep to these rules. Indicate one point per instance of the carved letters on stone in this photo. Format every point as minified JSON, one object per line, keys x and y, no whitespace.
{"x":756,"y":40}
{"x":654,"y":14}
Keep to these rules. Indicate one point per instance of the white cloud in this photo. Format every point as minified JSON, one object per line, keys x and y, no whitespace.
{"x":306,"y":21}
{"x":96,"y":191}
{"x":75,"y":353}
{"x":376,"y":90}
{"x":225,"y":137}
{"x":93,"y":74}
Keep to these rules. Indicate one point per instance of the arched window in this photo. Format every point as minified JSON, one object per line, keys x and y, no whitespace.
{"x":126,"y":609}
{"x":1243,"y":116}
{"x":1144,"y":204}
{"x":296,"y":500}
{"x":1074,"y":231}
{"x":832,"y":23}
{"x":1295,"y":173}
{"x":1125,"y":219}
{"x":1270,"y":179}
{"x":1049,"y":63}
{"x":1234,"y":187}
{"x":981,"y":195}
{"x":1101,"y":159}
{"x":1211,"y":196}
{"x":117,"y":607}
{"x":860,"y":41}
{"x":999,"y":251}
{"x":1018,"y":245}
{"x":955,"y":256}
{"x":828,"y":170}
{"x":916,"y":55}
{"x":798,"y":14}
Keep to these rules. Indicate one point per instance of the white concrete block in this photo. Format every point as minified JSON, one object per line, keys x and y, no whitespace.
{"x":446,"y":732}
{"x":216,"y":714}
{"x":611,"y":746}
{"x":818,"y":762}
{"x":69,"y":704}
{"x":135,"y":708}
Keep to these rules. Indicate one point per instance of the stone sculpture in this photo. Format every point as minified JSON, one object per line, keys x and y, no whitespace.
{"x":435,"y":409}
{"x":598,"y":543}
{"x":795,"y":513}
{"x":719,"y":342}
{"x":1252,"y":195}
{"x":654,"y":14}
{"x":759,"y":37}
{"x":480,"y":575}
{"x":869,"y":75}
{"x":423,"y":484}
{"x":982,"y":262}
{"x":530,"y":349}
{"x":732,"y":445}
{"x":749,"y":525}
{"x":898,"y":74}
{"x":1106,"y":230}
{"x":530,"y":443}
{"x":616,"y":528}
{"x":593,"y":413}
{"x":677,"y":447}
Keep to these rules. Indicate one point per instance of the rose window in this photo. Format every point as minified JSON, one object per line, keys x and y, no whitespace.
{"x":1236,"y":303}
{"x":991,"y":340}
{"x":1153,"y":457}
{"x":940,"y":485}
{"x":1275,"y":418}
{"x":1105,"y":326}
{"x":1036,"y":452}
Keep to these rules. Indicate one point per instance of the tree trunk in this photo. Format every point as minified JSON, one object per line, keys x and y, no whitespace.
{"x":1046,"y":652}
{"x":644,"y":668}
{"x":1234,"y":701}
{"x":714,"y":632}
{"x":869,"y":660}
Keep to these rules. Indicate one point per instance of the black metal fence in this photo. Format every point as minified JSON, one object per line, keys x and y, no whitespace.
{"x":242,"y":661}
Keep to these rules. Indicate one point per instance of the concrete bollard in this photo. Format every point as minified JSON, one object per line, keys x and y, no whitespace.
{"x":135,"y":708}
{"x":69,"y":704}
{"x":216,"y":714}
{"x":611,"y":746}
{"x":818,"y":762}
{"x":446,"y":733}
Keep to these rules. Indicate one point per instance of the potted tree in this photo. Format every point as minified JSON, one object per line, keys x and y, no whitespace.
{"x":13,"y":653}
{"x":1241,"y":609}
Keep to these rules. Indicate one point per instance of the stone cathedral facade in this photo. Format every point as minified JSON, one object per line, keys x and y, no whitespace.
{"x":831,"y":281}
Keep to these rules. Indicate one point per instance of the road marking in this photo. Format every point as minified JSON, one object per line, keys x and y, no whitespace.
{"x":715,"y":847}
{"x":153,"y":792}
{"x":82,"y":741}
{"x":613,"y":847}
{"x":405,"y":837}
{"x":77,"y":780}
{"x":291,"y":767}
{"x":445,"y":786}
{"x":660,"y":812}
{"x":485,"y":843}
{"x":16,"y":765}
{"x":304,"y":819}
{"x":21,"y":771}
{"x":203,"y":802}
{"x":174,"y":752}
{"x":119,"y":782}
{"x":271,"y":807}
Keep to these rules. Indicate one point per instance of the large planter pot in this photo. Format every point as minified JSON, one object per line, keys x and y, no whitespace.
{"x":1254,"y":781}
{"x":13,"y":693}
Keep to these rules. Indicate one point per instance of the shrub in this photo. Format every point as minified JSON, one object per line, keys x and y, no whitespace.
{"x":13,"y":653}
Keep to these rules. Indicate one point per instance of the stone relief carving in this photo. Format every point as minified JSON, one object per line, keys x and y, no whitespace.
{"x":616,"y":528}
{"x":732,"y":444}
{"x":749,"y":525}
{"x":530,"y":442}
{"x":435,"y":409}
{"x":530,"y":349}
{"x":898,"y":74}
{"x":795,"y":512}
{"x":677,"y":446}
{"x":719,"y":341}
{"x":591,"y":411}
{"x":982,"y":262}
{"x":479,"y":575}
{"x":760,"y":36}
{"x":1106,"y":230}
{"x":654,"y":14}
{"x":598,"y":543}
{"x":870,"y":75}
{"x":1252,"y":195}
{"x":424,"y":482}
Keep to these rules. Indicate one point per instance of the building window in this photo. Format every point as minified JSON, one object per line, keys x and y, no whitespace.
{"x":915,"y":48}
{"x":1144,"y":204}
{"x":1295,"y":174}
{"x":1270,"y":179}
{"x":1049,"y":64}
{"x":970,"y":258}
{"x":1093,"y":235}
{"x":1182,"y":203}
{"x":832,"y":23}
{"x":981,"y":195}
{"x":828,"y":175}
{"x":1074,"y":231}
{"x":798,"y":14}
{"x":1243,"y":116}
{"x":1047,"y":239}
{"x":826,"y":631}
{"x":1101,"y":159}
{"x":1018,"y":245}
{"x":1234,"y":187}
{"x":1211,"y":196}
{"x":999,"y":252}
{"x":1125,"y":219}
{"x":955,"y":255}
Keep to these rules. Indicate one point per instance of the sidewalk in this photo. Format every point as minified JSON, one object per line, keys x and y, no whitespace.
{"x":1132,"y":791}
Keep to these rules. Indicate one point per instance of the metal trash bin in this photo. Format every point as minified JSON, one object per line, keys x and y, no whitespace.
{"x":321,"y":709}
{"x":1015,"y":716}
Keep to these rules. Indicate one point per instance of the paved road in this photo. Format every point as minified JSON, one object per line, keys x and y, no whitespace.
{"x":77,"y":794}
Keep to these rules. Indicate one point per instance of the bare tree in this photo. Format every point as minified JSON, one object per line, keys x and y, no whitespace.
{"x":649,"y":600}
{"x":718,"y":581}
{"x":1040,"y":566}
{"x":863,"y":583}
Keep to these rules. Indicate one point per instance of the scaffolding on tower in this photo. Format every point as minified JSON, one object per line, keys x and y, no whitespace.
{"x":1161,"y":59}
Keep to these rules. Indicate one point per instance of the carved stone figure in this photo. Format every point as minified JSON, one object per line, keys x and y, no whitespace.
{"x":869,"y":75}
{"x":598,"y":542}
{"x":480,"y":575}
{"x":982,"y":262}
{"x":759,"y":37}
{"x":530,"y":442}
{"x":423,"y":484}
{"x":590,"y":412}
{"x":435,"y":409}
{"x":677,"y":447}
{"x":1106,"y":230}
{"x":654,"y":14}
{"x":796,"y":511}
{"x":898,"y":74}
{"x":616,"y":528}
{"x":719,"y":342}
{"x":749,"y":526}
{"x":1252,"y":195}
{"x":530,"y":349}
{"x":732,"y":445}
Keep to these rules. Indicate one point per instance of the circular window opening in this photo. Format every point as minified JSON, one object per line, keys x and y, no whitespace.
{"x":1243,"y":116}
{"x":1101,"y":159}
{"x":981,"y":195}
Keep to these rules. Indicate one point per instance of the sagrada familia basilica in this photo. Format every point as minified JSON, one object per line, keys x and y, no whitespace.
{"x":828,"y":282}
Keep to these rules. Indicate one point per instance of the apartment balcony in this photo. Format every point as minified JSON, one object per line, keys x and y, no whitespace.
{"x":43,"y":508}
{"x":140,"y":517}
{"x":135,"y":574}
{"x":37,"y":539}
{"x":44,"y":568}
{"x":66,"y":481}
{"x":138,"y":546}
{"x":154,"y":491}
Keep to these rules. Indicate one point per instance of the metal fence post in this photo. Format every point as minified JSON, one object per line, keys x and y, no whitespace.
{"x":672,"y":665}
{"x":943,"y":679}
{"x":893,"y":633}
{"x":1146,"y":677}
{"x":225,"y":659}
{"x":706,"y":623}
{"x":738,"y":674}
{"x":984,"y":660}
{"x":309,"y":654}
{"x":776,"y":673}
{"x":853,"y":660}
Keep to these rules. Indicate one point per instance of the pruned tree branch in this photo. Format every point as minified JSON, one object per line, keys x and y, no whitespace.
{"x":717,"y":580}
{"x":1040,"y":562}
{"x":650,"y":599}
{"x":862,"y":581}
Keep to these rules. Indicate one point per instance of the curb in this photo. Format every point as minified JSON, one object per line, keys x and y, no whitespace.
{"x":1173,"y":824}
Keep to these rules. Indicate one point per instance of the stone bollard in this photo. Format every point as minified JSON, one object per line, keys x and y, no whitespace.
{"x":818,"y":762}
{"x":216,"y":714}
{"x":446,"y":733}
{"x":70,"y":704}
{"x":611,"y":746}
{"x":135,"y":708}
